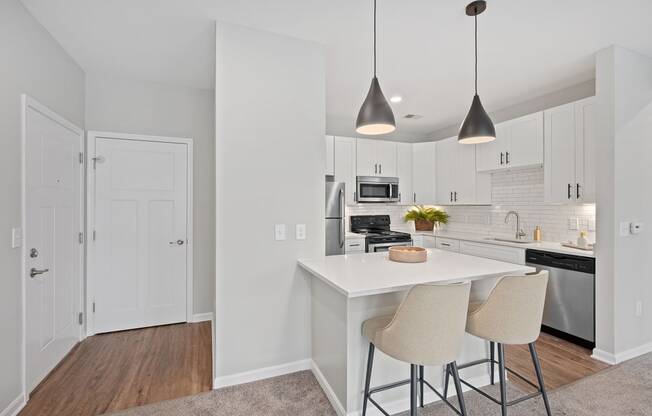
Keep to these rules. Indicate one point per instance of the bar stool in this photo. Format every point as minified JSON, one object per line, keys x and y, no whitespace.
{"x":427,"y":329}
{"x":511,"y":315}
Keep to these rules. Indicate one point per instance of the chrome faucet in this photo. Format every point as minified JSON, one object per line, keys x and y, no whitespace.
{"x":519,"y":231}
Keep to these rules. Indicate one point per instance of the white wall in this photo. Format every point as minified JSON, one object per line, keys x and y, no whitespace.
{"x":624,"y":152}
{"x":32,"y":63}
{"x":270,"y":106}
{"x":129,"y":106}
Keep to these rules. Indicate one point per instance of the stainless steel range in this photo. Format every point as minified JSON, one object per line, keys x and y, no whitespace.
{"x":376,"y":229}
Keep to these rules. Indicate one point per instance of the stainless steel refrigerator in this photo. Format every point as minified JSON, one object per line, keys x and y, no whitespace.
{"x":335,"y":229}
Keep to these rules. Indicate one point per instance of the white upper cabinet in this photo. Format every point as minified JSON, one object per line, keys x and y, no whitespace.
{"x":330,"y":148}
{"x":404,"y":170}
{"x":569,"y":152}
{"x":423,"y":173}
{"x":376,"y":158}
{"x":344,"y":149}
{"x":458,"y":182}
{"x":518,"y":143}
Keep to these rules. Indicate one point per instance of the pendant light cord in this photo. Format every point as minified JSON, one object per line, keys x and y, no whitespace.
{"x":374,"y":38}
{"x":476,"y":54}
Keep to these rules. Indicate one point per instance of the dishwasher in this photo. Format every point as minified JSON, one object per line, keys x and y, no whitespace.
{"x":569,"y":311}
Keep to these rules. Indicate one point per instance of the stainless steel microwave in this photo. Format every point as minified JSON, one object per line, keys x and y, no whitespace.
{"x":377,"y":189}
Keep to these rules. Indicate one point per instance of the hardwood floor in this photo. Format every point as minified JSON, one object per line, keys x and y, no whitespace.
{"x":111,"y":372}
{"x":561,"y":362}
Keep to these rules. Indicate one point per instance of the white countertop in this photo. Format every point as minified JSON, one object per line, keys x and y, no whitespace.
{"x":373,"y":273}
{"x":478,"y":238}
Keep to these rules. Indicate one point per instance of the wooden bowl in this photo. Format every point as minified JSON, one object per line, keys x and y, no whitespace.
{"x":408,"y":254}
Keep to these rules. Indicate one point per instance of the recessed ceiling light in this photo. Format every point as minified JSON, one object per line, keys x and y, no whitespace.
{"x":396,"y":99}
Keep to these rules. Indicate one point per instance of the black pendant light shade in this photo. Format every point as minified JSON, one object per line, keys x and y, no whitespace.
{"x":477,"y":126}
{"x":375,"y":116}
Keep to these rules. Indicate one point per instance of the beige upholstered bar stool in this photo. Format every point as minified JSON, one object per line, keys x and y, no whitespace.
{"x":427,"y":329}
{"x":511,"y":315}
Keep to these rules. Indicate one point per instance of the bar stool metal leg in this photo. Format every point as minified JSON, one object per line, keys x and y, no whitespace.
{"x":413,"y":389}
{"x":492,"y":348}
{"x":446,"y":379}
{"x":537,"y":369}
{"x":458,"y":387}
{"x":421,"y":373}
{"x":367,"y":382}
{"x":501,"y":377}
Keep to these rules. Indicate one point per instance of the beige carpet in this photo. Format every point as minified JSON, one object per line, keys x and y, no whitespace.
{"x":623,"y":390}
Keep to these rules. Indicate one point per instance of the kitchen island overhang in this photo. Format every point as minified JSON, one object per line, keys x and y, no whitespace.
{"x":348,"y":289}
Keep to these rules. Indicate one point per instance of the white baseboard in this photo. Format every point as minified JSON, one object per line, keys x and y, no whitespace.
{"x":261,"y":374}
{"x":14,"y":407}
{"x":328,"y":390}
{"x":620,"y":357}
{"x":394,"y":407}
{"x":201,"y":317}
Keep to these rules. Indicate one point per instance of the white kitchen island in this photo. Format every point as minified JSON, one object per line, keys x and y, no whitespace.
{"x":348,"y":289}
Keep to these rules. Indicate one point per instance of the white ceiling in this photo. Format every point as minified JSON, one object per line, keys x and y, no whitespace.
{"x":527,"y":48}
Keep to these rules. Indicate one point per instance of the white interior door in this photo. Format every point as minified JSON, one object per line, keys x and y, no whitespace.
{"x":141,"y":230}
{"x":53,"y":253}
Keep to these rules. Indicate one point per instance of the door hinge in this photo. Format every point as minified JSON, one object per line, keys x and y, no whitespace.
{"x":81,"y":238}
{"x":81,"y":157}
{"x":93,"y":307}
{"x":81,"y":318}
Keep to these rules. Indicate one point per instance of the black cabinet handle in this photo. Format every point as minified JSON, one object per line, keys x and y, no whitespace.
{"x":455,"y":196}
{"x":577,"y":190}
{"x":451,"y":197}
{"x":507,"y":158}
{"x":501,"y":158}
{"x":569,"y":191}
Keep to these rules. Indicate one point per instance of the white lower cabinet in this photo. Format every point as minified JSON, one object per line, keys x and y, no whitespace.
{"x":492,"y":251}
{"x":448,"y":244}
{"x":354,"y":245}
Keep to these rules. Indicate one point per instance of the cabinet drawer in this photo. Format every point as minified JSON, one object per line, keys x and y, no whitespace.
{"x":354,"y":245}
{"x":448,"y":244}
{"x":495,"y":252}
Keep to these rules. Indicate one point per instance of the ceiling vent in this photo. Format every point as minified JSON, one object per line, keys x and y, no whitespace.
{"x":413,"y":116}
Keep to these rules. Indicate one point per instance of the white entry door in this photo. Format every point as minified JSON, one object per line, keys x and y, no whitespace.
{"x":140,"y":233}
{"x":52,"y":247}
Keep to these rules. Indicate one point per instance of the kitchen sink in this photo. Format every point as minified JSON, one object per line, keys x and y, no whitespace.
{"x":510,"y":240}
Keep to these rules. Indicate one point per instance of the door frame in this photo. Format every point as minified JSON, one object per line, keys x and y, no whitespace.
{"x":91,"y":136}
{"x":27,"y":102}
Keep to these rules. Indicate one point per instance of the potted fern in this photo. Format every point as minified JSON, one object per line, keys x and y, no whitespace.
{"x":426,"y":218}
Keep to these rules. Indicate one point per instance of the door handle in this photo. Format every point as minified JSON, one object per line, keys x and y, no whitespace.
{"x":414,"y":197}
{"x":569,"y":191}
{"x":376,"y":168}
{"x":501,"y":157}
{"x":455,"y":193}
{"x":178,"y":242}
{"x":507,"y":158}
{"x":35,"y":272}
{"x":451,"y":197}
{"x":380,"y":168}
{"x":577,"y":190}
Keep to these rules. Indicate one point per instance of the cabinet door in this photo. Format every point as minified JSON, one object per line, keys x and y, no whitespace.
{"x":367,"y":164}
{"x":404,"y":170}
{"x":585,"y":150}
{"x":330,"y":148}
{"x":559,"y":171}
{"x":386,"y":157}
{"x":525,"y":141}
{"x":423,"y":173}
{"x":491,"y":155}
{"x":464,"y":174}
{"x":344,"y":165}
{"x":446,"y":161}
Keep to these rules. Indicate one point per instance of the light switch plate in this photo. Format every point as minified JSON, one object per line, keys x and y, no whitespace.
{"x":624,"y":228}
{"x":300,"y":232}
{"x":16,"y":237}
{"x":279,"y":232}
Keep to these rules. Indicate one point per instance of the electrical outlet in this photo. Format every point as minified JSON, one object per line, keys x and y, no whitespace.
{"x":635,"y":227}
{"x":573,"y":224}
{"x":279,"y":232}
{"x":300,"y":231}
{"x":639,"y":308}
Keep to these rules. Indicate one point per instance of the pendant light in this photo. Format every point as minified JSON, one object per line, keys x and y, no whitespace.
{"x":375,"y":115}
{"x":477,"y":126}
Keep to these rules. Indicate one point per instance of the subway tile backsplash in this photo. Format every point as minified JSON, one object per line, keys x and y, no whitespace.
{"x":519,"y":190}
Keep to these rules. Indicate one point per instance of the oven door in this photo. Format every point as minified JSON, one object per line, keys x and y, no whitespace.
{"x":382,"y":247}
{"x":377,"y":189}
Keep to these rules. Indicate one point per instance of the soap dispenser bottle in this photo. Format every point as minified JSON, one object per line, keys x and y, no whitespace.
{"x":537,"y":233}
{"x":582,"y":242}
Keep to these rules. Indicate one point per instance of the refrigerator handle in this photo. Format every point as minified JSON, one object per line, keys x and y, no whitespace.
{"x":343,"y":221}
